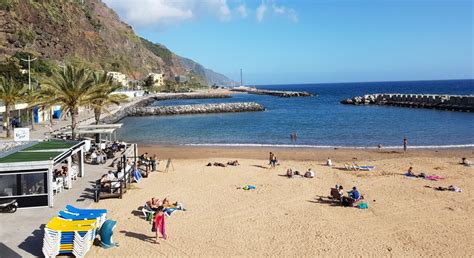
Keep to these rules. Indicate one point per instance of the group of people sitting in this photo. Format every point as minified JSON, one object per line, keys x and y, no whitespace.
{"x":219,"y":164}
{"x":111,"y":180}
{"x":293,"y":173}
{"x":150,"y":162}
{"x":58,"y":173}
{"x":98,"y":156}
{"x":352,"y":197}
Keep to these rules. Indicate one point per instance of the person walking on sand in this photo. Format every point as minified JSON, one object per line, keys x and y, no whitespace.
{"x":159,"y":224}
{"x":405,"y":143}
{"x":273,"y":160}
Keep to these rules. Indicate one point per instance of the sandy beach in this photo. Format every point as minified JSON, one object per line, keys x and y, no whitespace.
{"x":293,"y":217}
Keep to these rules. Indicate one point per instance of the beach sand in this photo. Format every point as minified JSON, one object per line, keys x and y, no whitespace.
{"x":292,"y":217}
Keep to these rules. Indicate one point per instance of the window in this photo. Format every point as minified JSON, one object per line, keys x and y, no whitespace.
{"x":8,"y":185}
{"x":33,"y":184}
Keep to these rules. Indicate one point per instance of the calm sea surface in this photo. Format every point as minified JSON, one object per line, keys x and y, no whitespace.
{"x":318,"y":121}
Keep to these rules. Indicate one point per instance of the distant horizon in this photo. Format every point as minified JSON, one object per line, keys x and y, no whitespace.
{"x":344,"y":82}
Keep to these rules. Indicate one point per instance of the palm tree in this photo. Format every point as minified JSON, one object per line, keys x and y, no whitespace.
{"x":11,"y":92}
{"x":102,"y":97}
{"x":70,"y":88}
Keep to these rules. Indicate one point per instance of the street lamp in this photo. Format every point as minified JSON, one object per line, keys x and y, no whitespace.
{"x":29,"y":60}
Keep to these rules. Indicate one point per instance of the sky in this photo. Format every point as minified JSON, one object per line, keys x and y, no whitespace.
{"x":313,"y":41}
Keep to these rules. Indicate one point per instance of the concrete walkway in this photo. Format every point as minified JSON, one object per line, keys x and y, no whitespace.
{"x":21,"y":233}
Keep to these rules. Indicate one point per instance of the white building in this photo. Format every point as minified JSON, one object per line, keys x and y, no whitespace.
{"x":157,"y":78}
{"x":120,"y":78}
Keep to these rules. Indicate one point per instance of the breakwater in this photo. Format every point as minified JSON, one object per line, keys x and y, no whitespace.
{"x":143,"y":106}
{"x":277,"y":93}
{"x":196,"y":109}
{"x":444,"y":102}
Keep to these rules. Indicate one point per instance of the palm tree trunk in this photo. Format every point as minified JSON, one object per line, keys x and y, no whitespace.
{"x":7,"y":120}
{"x":32,"y":119}
{"x":97,"y":121}
{"x":73,"y":123}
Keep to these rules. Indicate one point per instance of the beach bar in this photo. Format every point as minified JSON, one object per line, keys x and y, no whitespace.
{"x":26,"y":173}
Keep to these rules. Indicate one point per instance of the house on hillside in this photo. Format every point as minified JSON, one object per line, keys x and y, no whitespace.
{"x":157,"y":79}
{"x":120,"y":78}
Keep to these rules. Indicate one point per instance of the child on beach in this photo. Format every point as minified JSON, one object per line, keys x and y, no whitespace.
{"x":159,"y":224}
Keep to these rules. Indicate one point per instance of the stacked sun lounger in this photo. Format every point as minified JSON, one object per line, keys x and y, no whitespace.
{"x":72,"y":232}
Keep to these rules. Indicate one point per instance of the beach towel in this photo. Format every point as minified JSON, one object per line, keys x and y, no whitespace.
{"x":434,"y":178}
{"x":162,"y":228}
{"x":363,"y":205}
{"x":137,"y":176}
{"x":249,"y":187}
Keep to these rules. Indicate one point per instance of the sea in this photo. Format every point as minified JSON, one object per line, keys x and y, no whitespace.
{"x":319,"y":121}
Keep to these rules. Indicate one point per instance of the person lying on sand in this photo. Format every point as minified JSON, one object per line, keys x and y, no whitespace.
{"x":452,"y":188}
{"x":233,"y":163}
{"x":218,"y":164}
{"x":289,"y":173}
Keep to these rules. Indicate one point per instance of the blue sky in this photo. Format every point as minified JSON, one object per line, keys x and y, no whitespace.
{"x":306,"y":41}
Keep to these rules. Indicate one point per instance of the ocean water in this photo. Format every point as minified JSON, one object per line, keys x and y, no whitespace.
{"x":319,"y":121}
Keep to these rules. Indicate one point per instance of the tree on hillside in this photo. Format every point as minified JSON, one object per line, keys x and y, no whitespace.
{"x":103,"y":96}
{"x":11,"y":92}
{"x":70,"y":88}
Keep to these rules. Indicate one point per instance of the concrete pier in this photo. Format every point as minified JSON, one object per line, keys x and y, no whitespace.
{"x":444,"y":102}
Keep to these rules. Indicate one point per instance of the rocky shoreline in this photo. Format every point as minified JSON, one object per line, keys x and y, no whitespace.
{"x":445,"y":102}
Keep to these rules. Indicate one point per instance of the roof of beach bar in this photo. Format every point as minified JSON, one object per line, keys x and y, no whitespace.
{"x":41,"y":151}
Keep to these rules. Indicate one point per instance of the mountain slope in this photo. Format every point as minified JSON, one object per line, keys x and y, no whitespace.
{"x":89,"y":33}
{"x":211,"y":76}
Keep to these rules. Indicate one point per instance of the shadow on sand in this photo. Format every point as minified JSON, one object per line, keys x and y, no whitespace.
{"x":139,"y":236}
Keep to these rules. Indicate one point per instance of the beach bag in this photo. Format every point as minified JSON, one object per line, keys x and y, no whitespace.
{"x":149,"y":216}
{"x":363,"y":205}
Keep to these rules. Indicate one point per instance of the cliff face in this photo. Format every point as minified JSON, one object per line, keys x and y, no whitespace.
{"x":73,"y":31}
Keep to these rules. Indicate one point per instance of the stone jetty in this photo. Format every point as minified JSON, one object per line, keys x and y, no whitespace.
{"x":146,"y":101}
{"x":444,"y":102}
{"x":277,"y":93}
{"x":195,"y":109}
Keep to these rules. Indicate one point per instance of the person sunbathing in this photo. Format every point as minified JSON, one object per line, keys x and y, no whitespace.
{"x":153,"y":204}
{"x":329,"y":162}
{"x":309,"y":173}
{"x":218,"y":164}
{"x":104,"y":181}
{"x":466,"y":162}
{"x":233,"y":163}
{"x":410,"y":172}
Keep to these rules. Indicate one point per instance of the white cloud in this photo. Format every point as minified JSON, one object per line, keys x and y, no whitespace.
{"x":164,"y":12}
{"x":283,"y":10}
{"x":261,"y":10}
{"x":242,"y":10}
{"x":147,"y":12}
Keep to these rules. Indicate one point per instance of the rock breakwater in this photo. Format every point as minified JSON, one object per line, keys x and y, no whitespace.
{"x":444,"y":102}
{"x":195,"y":109}
{"x":277,"y":93}
{"x":146,"y":101}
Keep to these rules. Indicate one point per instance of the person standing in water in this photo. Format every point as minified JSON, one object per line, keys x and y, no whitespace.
{"x":405,"y":143}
